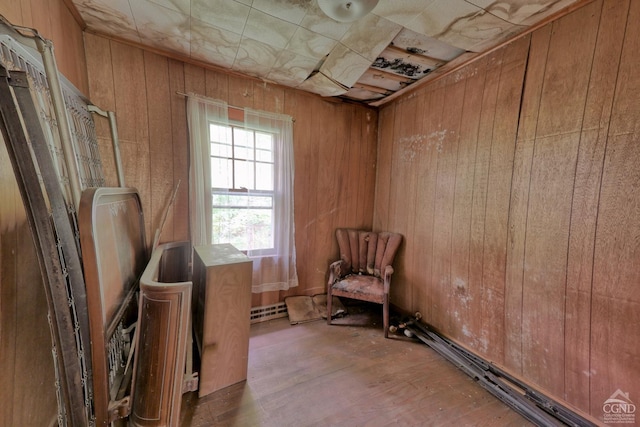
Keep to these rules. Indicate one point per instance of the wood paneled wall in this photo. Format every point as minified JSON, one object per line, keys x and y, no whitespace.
{"x":334,"y":147}
{"x":27,"y":381}
{"x":516,"y":183}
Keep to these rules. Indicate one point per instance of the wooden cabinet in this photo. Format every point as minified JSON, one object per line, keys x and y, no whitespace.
{"x":222,"y":305}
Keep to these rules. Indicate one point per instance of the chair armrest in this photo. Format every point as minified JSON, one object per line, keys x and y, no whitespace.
{"x":388,"y":272}
{"x":335,"y":271}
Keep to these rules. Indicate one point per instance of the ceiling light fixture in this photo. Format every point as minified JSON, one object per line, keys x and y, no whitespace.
{"x":346,"y":10}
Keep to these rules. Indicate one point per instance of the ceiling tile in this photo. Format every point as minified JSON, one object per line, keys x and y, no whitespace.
{"x":310,"y":44}
{"x":166,"y":42}
{"x":370,"y":35}
{"x":291,"y":69}
{"x":255,"y":58}
{"x":212,"y":44}
{"x":226,"y":14}
{"x":267,"y":29}
{"x":401,"y":14}
{"x":322,"y":85}
{"x":521,"y":11}
{"x":151,"y":19}
{"x":344,"y":65}
{"x":289,"y":10}
{"x":109,"y":17}
{"x":316,"y":21}
{"x":460,"y":24}
{"x":182,"y":6}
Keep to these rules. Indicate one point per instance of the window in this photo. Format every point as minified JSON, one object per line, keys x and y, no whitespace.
{"x":242,"y":181}
{"x":241,"y":175}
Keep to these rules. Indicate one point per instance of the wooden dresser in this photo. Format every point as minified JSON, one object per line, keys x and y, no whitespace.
{"x":221,"y":311}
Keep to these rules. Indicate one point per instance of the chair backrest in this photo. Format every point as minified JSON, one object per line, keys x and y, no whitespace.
{"x":367,"y":252}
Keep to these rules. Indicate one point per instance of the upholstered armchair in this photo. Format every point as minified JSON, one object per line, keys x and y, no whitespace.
{"x":365,"y":268}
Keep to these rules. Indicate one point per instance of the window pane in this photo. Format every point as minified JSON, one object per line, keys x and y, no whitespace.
{"x":244,"y":228}
{"x":243,"y":174}
{"x":242,"y":200}
{"x":264,"y":176}
{"x":243,"y":144}
{"x":218,"y":133}
{"x":264,"y":141}
{"x":261,"y":201}
{"x":264,"y":156}
{"x":220,"y":173}
{"x":244,"y":220}
{"x":220,"y":150}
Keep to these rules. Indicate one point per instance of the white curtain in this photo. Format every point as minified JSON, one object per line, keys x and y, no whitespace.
{"x":277,"y":272}
{"x":200,"y":112}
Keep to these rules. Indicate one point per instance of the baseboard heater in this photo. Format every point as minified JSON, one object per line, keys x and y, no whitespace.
{"x":531,"y":404}
{"x":268,"y":312}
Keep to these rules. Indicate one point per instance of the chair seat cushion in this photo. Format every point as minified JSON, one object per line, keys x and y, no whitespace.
{"x":360,"y":286}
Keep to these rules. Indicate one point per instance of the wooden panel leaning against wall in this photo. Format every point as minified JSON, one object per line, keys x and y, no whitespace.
{"x":334,"y":147}
{"x":537,"y":275}
{"x":26,"y":362}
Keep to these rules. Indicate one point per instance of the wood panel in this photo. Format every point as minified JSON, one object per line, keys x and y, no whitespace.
{"x":408,"y":253}
{"x":585,"y":200}
{"x":519,"y":202}
{"x":461,"y":303}
{"x":180,"y":157}
{"x":402,"y":203}
{"x":160,"y":144}
{"x":446,"y":146}
{"x":367,"y":173}
{"x":544,"y":226}
{"x":383,"y":171}
{"x":344,"y":184}
{"x":425,"y":198}
{"x":479,"y":330}
{"x":615,"y":304}
{"x":498,"y":195}
{"x":326,"y":194}
{"x":550,"y":197}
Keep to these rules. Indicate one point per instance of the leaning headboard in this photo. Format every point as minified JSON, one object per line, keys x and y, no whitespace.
{"x":114,"y":256}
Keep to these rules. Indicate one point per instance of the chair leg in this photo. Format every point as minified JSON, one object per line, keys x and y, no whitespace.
{"x":385,"y":316}
{"x":329,"y":302}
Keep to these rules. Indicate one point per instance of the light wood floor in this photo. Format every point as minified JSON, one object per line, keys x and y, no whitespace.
{"x":313,"y":374}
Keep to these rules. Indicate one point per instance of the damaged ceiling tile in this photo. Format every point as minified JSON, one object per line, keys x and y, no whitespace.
{"x":369,"y":44}
{"x":344,"y":65}
{"x":291,"y":69}
{"x":322,"y":85}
